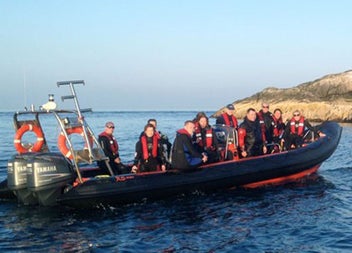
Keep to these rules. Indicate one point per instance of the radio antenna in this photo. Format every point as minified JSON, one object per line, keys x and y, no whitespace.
{"x":24,"y":88}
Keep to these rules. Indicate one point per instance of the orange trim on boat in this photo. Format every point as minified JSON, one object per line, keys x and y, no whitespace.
{"x":283,"y":180}
{"x":84,"y":179}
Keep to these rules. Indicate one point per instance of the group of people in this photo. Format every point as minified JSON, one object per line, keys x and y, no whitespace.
{"x":152,"y":150}
{"x":264,"y":132}
{"x":196,"y":143}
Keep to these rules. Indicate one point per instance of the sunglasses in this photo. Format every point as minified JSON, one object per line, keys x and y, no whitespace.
{"x":296,"y":114}
{"x":265,"y":106}
{"x":112,"y":127}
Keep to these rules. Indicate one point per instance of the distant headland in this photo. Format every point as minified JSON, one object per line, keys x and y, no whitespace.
{"x":327,"y":98}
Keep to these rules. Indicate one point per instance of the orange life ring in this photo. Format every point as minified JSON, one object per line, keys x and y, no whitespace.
{"x":61,"y":142}
{"x":20,"y":132}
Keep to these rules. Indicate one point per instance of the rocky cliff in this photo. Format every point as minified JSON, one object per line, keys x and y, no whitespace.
{"x":327,"y":98}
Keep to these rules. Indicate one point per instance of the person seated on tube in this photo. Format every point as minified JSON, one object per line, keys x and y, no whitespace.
{"x":164,"y":141}
{"x":149,"y":153}
{"x":205,"y":139}
{"x":251,"y":137}
{"x":184,"y":155}
{"x":111,"y":149}
{"x":298,"y":130}
{"x":277,"y":131}
{"x":265,"y":119}
{"x":228,"y":118}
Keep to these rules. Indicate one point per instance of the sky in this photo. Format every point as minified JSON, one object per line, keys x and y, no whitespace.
{"x":167,"y":54}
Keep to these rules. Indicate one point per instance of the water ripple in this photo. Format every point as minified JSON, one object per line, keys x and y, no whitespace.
{"x":313,"y":215}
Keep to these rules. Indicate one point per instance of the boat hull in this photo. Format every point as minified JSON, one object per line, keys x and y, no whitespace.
{"x":251,"y":172}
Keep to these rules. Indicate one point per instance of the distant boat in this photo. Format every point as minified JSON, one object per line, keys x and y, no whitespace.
{"x":38,"y":176}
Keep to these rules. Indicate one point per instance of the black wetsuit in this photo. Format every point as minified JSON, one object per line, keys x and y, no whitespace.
{"x":117,"y":168}
{"x":253,"y":140}
{"x":151,"y":163}
{"x":165,"y":147}
{"x":184,"y":154}
{"x":293,"y":140}
{"x":268,"y":123}
{"x":221,"y":121}
{"x":278,"y":128}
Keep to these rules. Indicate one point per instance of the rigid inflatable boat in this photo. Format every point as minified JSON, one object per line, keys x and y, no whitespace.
{"x":38,"y":176}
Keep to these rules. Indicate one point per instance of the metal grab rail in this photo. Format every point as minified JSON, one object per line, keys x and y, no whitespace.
{"x":86,"y":129}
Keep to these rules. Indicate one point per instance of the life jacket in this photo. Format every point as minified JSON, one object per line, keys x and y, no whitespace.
{"x":241,"y":135}
{"x":276,"y":131}
{"x":228,"y":122}
{"x":261,"y":117}
{"x":197,"y":132}
{"x":113,"y":143}
{"x":299,"y":130}
{"x":183,"y":131}
{"x":208,"y":137}
{"x":157,"y":134}
{"x":196,"y":125}
{"x":262,"y":124}
{"x":145,"y":150}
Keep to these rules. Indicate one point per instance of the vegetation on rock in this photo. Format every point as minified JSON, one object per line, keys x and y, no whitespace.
{"x":327,"y":98}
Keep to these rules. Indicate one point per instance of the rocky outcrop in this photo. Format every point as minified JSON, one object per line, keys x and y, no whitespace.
{"x":327,"y":98}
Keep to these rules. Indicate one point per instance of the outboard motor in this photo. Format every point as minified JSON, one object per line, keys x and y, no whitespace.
{"x":17,"y":178}
{"x":47,"y":175}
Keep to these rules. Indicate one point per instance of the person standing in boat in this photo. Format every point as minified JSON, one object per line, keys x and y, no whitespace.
{"x":228,"y":118}
{"x":298,"y":130}
{"x":148,"y":156}
{"x":111,"y":149}
{"x":266,"y":120}
{"x":164,"y":140}
{"x":184,"y":155}
{"x":250,"y":136}
{"x":205,"y":139}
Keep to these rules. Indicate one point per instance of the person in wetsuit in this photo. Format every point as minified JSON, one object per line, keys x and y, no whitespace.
{"x":205,"y":139}
{"x":111,"y":149}
{"x":266,"y":121}
{"x":252,"y":139}
{"x":277,"y":131}
{"x":149,"y":153}
{"x":184,"y":155}
{"x":228,"y":118}
{"x":299,"y":130}
{"x":164,"y":141}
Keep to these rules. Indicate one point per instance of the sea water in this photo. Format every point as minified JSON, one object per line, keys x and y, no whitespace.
{"x":313,"y":215}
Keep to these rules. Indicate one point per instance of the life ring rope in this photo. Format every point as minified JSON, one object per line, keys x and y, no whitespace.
{"x":37,"y":146}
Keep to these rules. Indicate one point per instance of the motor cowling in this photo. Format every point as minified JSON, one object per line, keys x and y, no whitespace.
{"x":17,"y":171}
{"x":47,"y":175}
{"x":17,"y":178}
